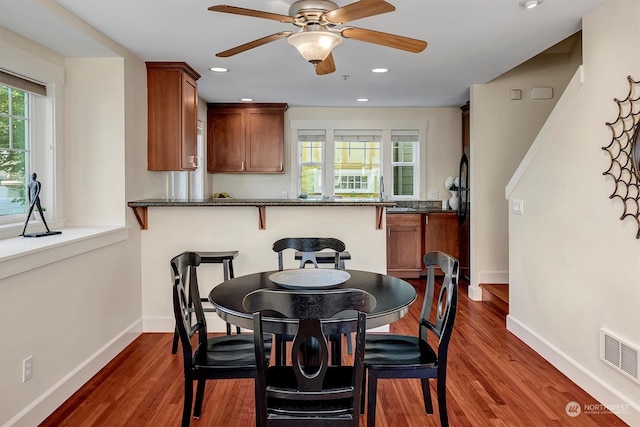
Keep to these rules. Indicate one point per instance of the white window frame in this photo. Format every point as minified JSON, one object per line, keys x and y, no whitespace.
{"x":300,"y":163}
{"x":46,"y":131}
{"x":415,"y":163}
{"x":39,"y":158}
{"x":387,"y":126}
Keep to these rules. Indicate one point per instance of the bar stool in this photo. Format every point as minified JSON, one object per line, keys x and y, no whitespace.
{"x":226,"y":259}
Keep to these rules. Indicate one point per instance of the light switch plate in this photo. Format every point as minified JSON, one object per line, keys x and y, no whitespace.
{"x":517,"y":207}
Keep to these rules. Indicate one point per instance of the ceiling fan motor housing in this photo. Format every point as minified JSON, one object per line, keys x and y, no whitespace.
{"x":311,"y":11}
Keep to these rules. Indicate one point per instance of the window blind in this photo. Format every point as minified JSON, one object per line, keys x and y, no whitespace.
{"x":21,"y":83}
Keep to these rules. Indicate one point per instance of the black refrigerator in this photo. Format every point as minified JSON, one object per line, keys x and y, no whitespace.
{"x":463,"y":218}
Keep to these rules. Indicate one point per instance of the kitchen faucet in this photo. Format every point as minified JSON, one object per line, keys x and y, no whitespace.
{"x":381,"y":189}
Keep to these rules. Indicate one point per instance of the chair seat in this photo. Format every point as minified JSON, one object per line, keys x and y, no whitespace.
{"x":231,"y":351}
{"x":388,"y":350}
{"x":334,"y":400}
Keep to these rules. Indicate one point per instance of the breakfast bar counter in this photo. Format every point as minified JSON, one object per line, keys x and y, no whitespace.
{"x":140,"y":206}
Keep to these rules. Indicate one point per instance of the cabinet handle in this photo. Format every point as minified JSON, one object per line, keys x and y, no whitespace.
{"x":242,"y":167}
{"x":281,"y":166}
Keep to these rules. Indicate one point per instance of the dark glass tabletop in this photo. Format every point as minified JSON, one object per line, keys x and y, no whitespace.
{"x":393,"y":296}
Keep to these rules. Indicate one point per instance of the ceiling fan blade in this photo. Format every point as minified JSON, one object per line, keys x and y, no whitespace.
{"x":385,"y":39}
{"x":250,"y":12}
{"x":327,"y":66}
{"x":254,"y":43}
{"x":358,"y":10}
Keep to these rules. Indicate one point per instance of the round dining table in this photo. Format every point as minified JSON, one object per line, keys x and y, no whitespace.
{"x":393,"y":298}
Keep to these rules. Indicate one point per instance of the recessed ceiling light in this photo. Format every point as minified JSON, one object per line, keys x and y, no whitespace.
{"x":362,"y":99}
{"x":219,"y":69}
{"x":380,"y":70}
{"x":530,"y":4}
{"x":246,"y":99}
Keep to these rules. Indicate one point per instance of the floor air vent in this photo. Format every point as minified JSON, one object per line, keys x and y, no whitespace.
{"x":622,"y":356}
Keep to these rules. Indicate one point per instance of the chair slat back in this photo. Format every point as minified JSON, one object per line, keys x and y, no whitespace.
{"x":439,"y":317}
{"x":310,"y":307}
{"x":308,"y":245}
{"x":185,"y":286}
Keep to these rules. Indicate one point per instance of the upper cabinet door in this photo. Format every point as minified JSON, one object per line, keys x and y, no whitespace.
{"x":189,"y":151}
{"x":172,"y":110}
{"x":265,"y":141}
{"x":245,"y":138}
{"x":225,"y":140}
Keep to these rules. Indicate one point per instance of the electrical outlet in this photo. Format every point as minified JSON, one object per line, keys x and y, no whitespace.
{"x":433,"y":195}
{"x":27,"y":369}
{"x":517,"y":207}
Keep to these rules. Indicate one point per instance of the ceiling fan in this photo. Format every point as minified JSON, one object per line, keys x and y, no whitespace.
{"x":318,"y":34}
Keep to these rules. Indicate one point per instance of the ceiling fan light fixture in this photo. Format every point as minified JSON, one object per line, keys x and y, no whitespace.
{"x":314,"y":46}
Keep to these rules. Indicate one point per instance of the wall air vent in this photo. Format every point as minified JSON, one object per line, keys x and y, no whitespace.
{"x":619,"y":354}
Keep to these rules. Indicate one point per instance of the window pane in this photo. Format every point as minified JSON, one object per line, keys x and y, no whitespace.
{"x":19,"y":103}
{"x":12,"y":182}
{"x":311,"y":151}
{"x":19,"y":134}
{"x":14,"y":150}
{"x":4,"y":100}
{"x":311,"y":180}
{"x":4,"y":132}
{"x":403,"y":152}
{"x":403,"y":180}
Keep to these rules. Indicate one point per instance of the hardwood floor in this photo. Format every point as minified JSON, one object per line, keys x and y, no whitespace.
{"x":493,"y":379}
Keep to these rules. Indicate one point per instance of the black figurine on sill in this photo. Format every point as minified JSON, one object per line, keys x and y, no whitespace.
{"x":34,"y":201}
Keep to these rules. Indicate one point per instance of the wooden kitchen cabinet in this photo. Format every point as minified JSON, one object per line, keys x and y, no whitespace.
{"x":441,"y":233}
{"x":466,"y":132}
{"x":245,"y":138}
{"x":172,"y":108}
{"x":404,"y":245}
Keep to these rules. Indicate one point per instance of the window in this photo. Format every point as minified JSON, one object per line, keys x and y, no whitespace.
{"x":348,"y":158}
{"x":311,"y":148}
{"x":404,"y":147}
{"x":14,"y":150}
{"x":21,"y":101}
{"x":357,"y":163}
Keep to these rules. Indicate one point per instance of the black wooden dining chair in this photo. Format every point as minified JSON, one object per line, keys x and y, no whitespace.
{"x":225,"y":357}
{"x":310,"y":391}
{"x":400,"y":356}
{"x":307,"y":247}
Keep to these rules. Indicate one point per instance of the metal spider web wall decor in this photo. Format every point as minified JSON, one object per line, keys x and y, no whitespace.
{"x":622,"y":150}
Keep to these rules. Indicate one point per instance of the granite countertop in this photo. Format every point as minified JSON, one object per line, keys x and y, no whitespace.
{"x":257,"y":202}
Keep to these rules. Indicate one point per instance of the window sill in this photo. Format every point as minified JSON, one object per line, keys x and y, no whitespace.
{"x":20,"y":254}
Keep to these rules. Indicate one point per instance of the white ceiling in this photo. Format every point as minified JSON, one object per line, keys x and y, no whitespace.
{"x":470,"y":41}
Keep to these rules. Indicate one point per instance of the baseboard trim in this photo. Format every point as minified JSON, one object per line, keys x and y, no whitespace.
{"x":49,"y":401}
{"x":495,"y":277}
{"x":595,"y":386}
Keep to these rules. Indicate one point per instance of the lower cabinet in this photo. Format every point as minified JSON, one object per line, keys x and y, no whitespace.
{"x":404,"y":245}
{"x":442,"y":233}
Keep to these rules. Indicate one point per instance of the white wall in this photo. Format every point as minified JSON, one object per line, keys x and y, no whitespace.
{"x":442,"y":154}
{"x":95,"y":126}
{"x":501,"y":132}
{"x":573,"y":264}
{"x":173,"y":230}
{"x":82,"y":303}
